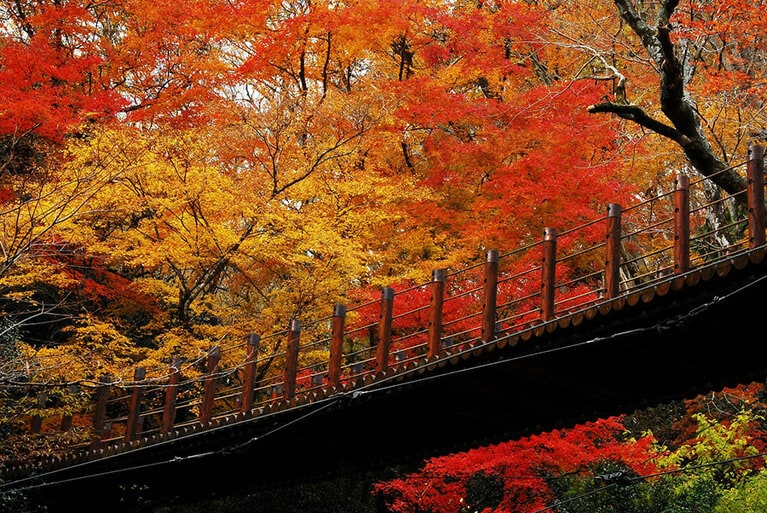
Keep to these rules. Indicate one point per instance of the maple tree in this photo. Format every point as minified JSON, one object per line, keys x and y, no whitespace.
{"x":522,"y":470}
{"x":678,"y":71}
{"x":591,"y":467}
{"x":47,"y":61}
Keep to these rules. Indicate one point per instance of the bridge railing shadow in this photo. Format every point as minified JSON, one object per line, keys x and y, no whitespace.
{"x":688,"y":226}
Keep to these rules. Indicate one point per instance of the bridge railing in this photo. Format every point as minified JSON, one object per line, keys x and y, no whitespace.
{"x":562,"y":273}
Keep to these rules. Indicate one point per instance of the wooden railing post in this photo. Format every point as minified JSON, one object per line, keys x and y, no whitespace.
{"x":66,"y":422}
{"x":132,"y":426}
{"x":249,"y":378}
{"x":171,"y":392}
{"x":613,"y":250}
{"x":99,"y":416}
{"x":548,"y":273}
{"x":490,"y":296}
{"x":437,"y":288}
{"x":681,"y":224}
{"x":36,"y":422}
{"x":384,"y":329}
{"x":291,"y":360}
{"x":336,"y":345}
{"x":209,"y":390}
{"x":66,"y":418}
{"x":756,"y":213}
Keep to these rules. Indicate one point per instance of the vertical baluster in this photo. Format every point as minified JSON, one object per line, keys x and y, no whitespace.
{"x":613,"y":250}
{"x":548,"y":273}
{"x":291,"y":360}
{"x":756,"y":213}
{"x":249,"y":378}
{"x":336,"y":345}
{"x":209,"y":390}
{"x":384,"y":329}
{"x":681,"y":224}
{"x":490,"y":296}
{"x":132,"y":427}
{"x":171,"y":392}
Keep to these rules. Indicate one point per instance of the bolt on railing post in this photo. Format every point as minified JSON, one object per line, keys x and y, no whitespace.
{"x":384,"y":329}
{"x":209,"y":390}
{"x":548,"y":273}
{"x":437,"y":288}
{"x":132,"y":427}
{"x":490,"y":296}
{"x":171,"y":392}
{"x":249,"y":374}
{"x":336,"y":345}
{"x":756,"y":213}
{"x":99,"y":417}
{"x":613,"y":250}
{"x":291,"y":360}
{"x":681,"y":224}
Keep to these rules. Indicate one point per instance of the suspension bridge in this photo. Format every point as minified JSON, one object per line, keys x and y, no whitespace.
{"x":640,"y":306}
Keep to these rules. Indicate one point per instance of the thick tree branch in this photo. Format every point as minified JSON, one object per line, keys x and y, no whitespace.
{"x":666,"y":9}
{"x":645,"y":33}
{"x":673,"y":103}
{"x":640,"y":117}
